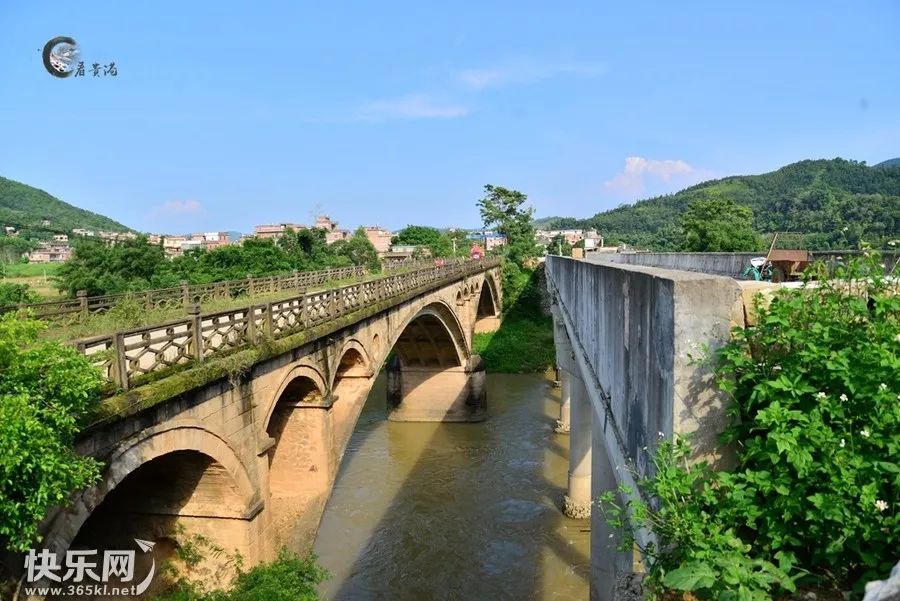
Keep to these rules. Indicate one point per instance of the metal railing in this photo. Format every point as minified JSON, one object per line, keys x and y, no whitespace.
{"x":126,"y":357}
{"x":187,"y":295}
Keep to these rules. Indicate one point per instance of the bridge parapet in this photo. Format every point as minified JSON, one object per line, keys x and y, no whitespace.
{"x":186,"y":295}
{"x":131,"y":357}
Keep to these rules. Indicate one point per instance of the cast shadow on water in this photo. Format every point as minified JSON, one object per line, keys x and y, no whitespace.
{"x":425,"y":511}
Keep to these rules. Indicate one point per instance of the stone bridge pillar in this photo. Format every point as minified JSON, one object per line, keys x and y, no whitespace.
{"x":577,"y":502}
{"x":437,"y":394}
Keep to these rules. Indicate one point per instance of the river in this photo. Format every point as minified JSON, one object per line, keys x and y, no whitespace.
{"x":430,"y":512}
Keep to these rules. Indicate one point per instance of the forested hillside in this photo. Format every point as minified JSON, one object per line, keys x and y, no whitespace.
{"x":834,"y":203}
{"x":26,"y":208}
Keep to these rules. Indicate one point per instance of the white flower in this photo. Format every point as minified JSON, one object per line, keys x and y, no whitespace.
{"x":882,"y":386}
{"x":892,"y":243}
{"x":844,"y":230}
{"x":864,"y":432}
{"x":842,"y":443}
{"x":661,"y":435}
{"x":821,"y":395}
{"x":844,"y":397}
{"x":776,"y":368}
{"x":881,"y":505}
{"x":897,"y":338}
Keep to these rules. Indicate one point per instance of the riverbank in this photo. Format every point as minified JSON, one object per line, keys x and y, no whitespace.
{"x":524,"y":341}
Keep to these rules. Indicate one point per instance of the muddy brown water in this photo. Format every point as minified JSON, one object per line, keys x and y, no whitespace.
{"x":426,"y":512}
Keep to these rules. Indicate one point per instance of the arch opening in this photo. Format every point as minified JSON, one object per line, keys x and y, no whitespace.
{"x":487,"y":304}
{"x":169,"y":500}
{"x":431,"y":375}
{"x":427,"y":341}
{"x":352,"y":381}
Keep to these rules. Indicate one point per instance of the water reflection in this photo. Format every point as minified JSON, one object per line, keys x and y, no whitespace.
{"x":456,"y":511}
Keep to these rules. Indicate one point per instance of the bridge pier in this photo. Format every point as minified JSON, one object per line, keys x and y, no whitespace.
{"x":437,"y":394}
{"x":577,"y":502}
{"x":565,"y":402}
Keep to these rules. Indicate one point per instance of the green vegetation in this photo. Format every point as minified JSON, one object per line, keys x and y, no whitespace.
{"x":835,"y":203}
{"x":27,"y":208}
{"x":502,"y":209}
{"x":813,"y":496}
{"x":45,"y":391}
{"x":30,"y":270}
{"x":358,"y":250}
{"x":718,"y":224}
{"x":524,"y":342}
{"x":134,"y":265}
{"x":13,"y":294}
{"x":290,"y":577}
{"x":12,"y":248}
{"x":559,"y":246}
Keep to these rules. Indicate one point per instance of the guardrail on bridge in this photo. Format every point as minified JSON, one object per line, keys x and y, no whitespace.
{"x":126,"y":358}
{"x":187,"y":295}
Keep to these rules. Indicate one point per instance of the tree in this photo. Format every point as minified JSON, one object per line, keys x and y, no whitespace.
{"x":716,"y":223}
{"x":559,"y":246}
{"x":502,"y":209}
{"x":100,"y":268}
{"x":438,"y":243}
{"x":45,"y":391}
{"x":359,"y":250}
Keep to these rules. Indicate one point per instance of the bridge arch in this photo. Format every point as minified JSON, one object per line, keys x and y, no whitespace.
{"x":161,"y":472}
{"x":432,"y":337}
{"x":490,"y":296}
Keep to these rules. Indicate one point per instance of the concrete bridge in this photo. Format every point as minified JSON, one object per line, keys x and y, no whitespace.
{"x":233,"y":425}
{"x":629,"y":339}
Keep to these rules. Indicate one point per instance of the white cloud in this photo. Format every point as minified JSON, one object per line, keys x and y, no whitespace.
{"x":639,"y":170}
{"x":412,"y":106}
{"x":524,"y":71}
{"x":173,"y":208}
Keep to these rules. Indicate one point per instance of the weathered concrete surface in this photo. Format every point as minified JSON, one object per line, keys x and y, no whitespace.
{"x":637,"y":335}
{"x":727,"y":264}
{"x":269,"y":441}
{"x":452,"y":394}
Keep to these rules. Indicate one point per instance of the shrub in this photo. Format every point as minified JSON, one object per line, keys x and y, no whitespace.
{"x":14,"y":294}
{"x":45,"y":389}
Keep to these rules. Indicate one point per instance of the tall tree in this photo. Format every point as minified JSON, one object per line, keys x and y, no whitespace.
{"x":359,"y":250}
{"x":437,"y":242}
{"x":718,"y":224}
{"x":502,"y":209}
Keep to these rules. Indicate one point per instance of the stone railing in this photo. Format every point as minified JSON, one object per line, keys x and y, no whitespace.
{"x":187,"y":295}
{"x":411,"y":264}
{"x":126,"y":358}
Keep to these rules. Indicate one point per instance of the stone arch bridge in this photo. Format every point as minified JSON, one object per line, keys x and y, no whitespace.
{"x":248,"y":460}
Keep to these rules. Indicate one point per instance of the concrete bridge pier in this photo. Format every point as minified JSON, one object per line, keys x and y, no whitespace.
{"x":577,"y":502}
{"x":565,"y":400}
{"x":437,"y":394}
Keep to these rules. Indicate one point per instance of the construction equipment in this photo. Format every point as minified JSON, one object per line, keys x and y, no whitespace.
{"x":786,"y":264}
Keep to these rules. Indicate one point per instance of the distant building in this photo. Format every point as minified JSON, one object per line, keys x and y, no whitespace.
{"x":60,"y":238}
{"x":50,"y":253}
{"x":489,"y":238}
{"x":380,"y":238}
{"x":476,"y":252}
{"x":275,"y":231}
{"x":332,"y":233}
{"x":45,"y":222}
{"x":79,"y":231}
{"x":10,"y":230}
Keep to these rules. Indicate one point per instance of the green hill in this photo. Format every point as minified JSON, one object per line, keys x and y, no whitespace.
{"x":834,"y":203}
{"x":27,"y":208}
{"x":889,"y":163}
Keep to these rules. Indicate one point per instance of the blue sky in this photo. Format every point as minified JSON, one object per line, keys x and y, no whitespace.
{"x":228,"y":114}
